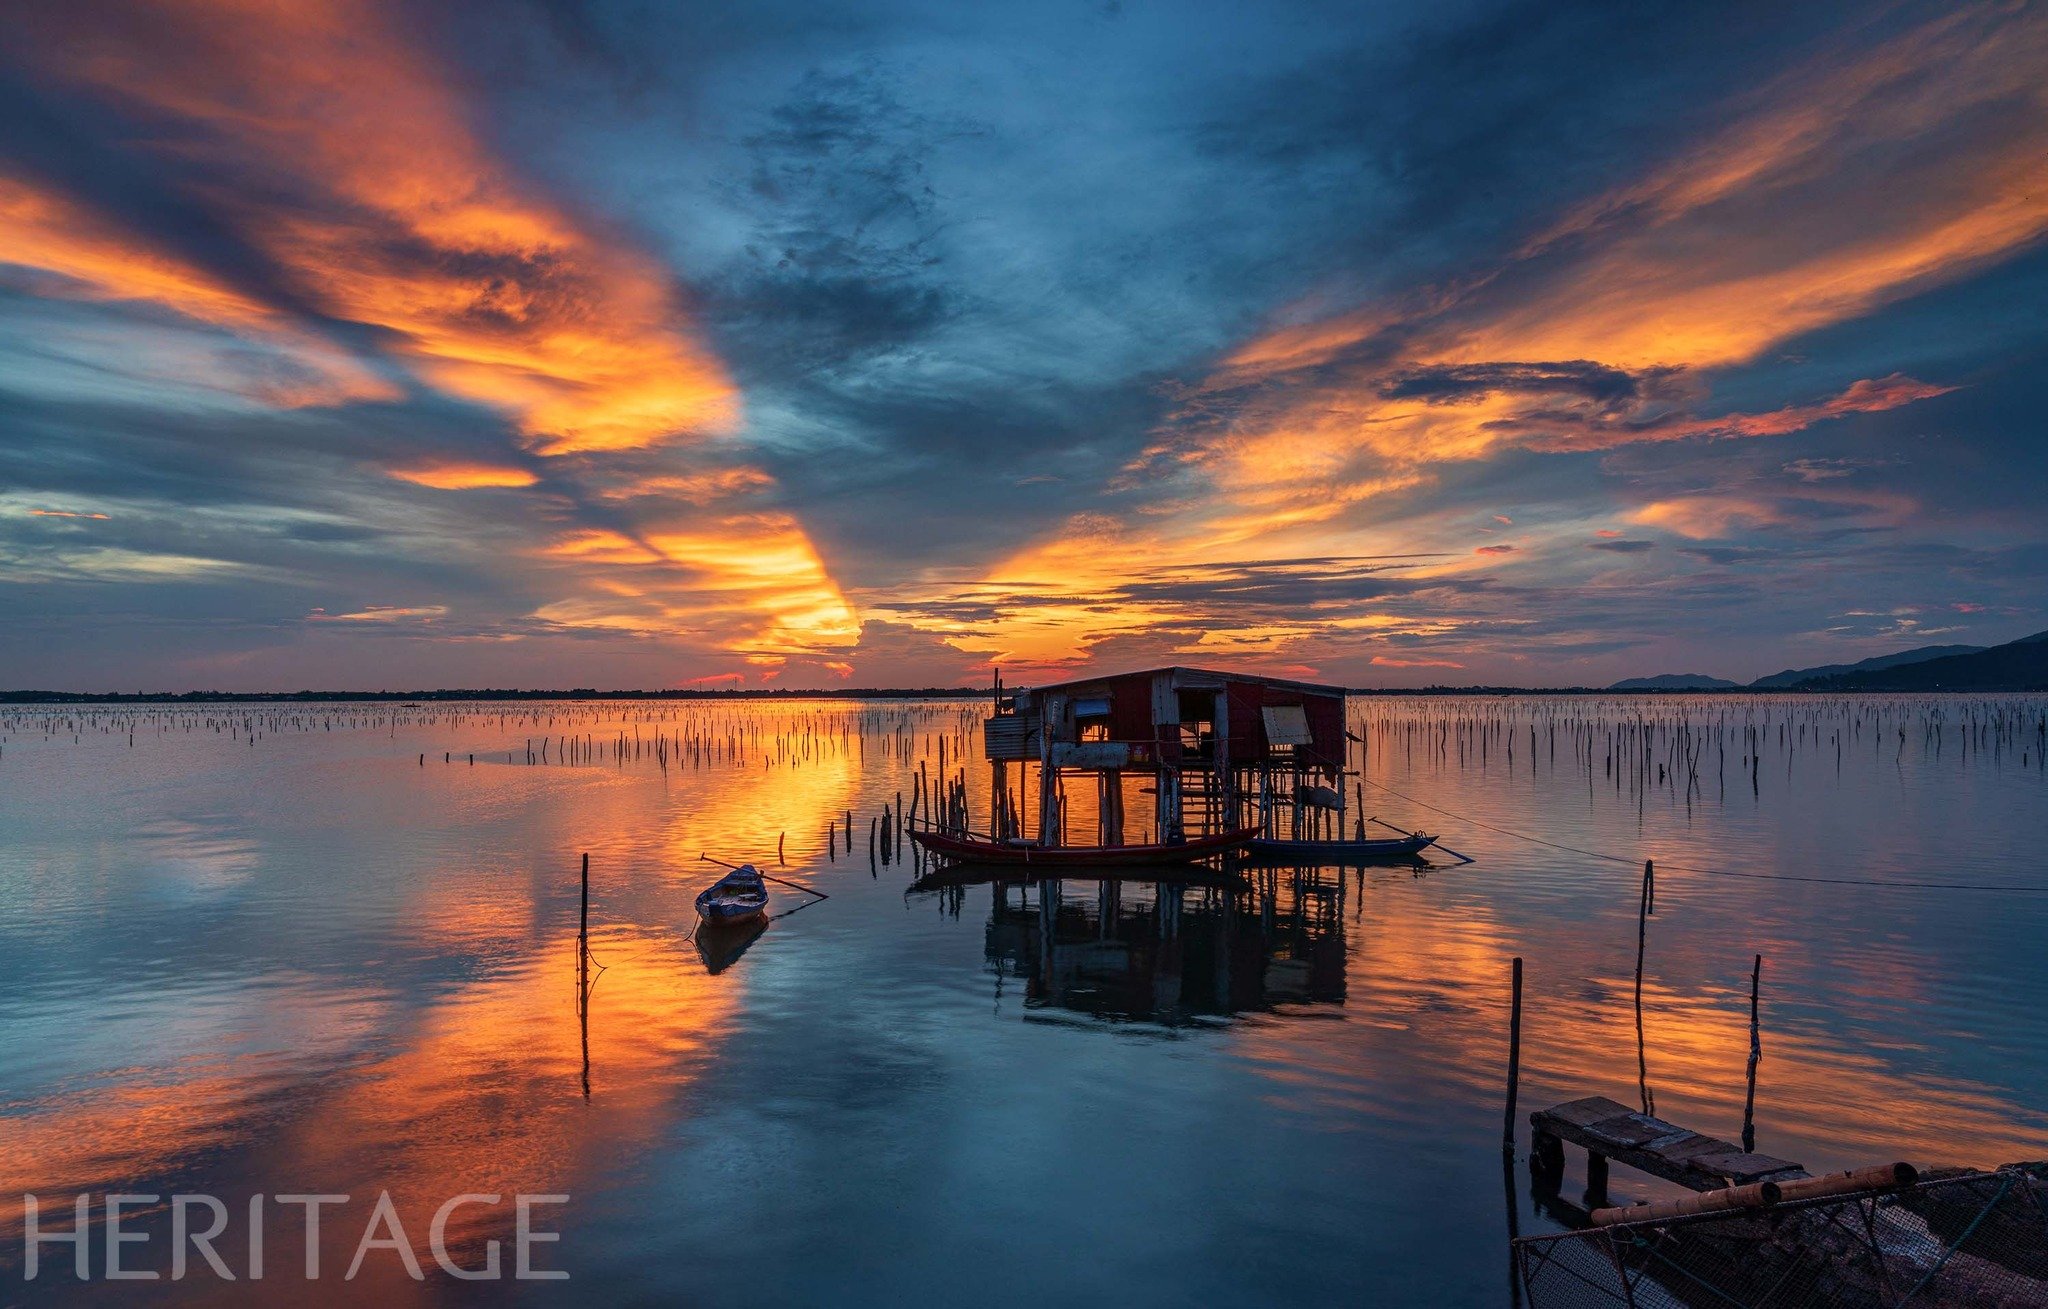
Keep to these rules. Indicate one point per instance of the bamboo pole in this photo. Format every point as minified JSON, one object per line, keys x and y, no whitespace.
{"x":1642,"y":942}
{"x":583,"y":975}
{"x":1507,"y":1132}
{"x":1761,"y":1195}
{"x":1756,"y":1054}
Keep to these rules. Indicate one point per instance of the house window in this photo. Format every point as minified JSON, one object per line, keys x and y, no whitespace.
{"x":1286,"y":729}
{"x":1091,"y":719}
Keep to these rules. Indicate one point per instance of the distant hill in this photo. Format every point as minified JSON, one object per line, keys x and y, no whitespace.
{"x":1675,"y":682}
{"x":1794,"y":676}
{"x":2020,"y":665}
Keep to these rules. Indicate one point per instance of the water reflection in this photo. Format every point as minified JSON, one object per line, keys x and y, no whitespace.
{"x":720,"y":947}
{"x":1177,"y":952}
{"x":264,"y":952}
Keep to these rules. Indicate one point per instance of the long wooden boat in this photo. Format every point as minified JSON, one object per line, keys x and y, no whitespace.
{"x":970,"y":849}
{"x":956,"y":873}
{"x":738,"y":896}
{"x":1398,"y":847}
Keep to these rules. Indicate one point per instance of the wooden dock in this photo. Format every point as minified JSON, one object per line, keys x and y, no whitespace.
{"x":1608,"y":1130}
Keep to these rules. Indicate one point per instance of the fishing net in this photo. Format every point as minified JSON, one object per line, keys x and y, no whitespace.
{"x":1979,"y":1240}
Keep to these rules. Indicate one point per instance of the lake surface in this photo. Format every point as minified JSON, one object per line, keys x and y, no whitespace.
{"x":270,"y":950}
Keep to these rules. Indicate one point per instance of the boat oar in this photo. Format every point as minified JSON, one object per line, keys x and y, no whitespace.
{"x":1437,"y":844}
{"x":796,"y":886}
{"x":766,"y":878}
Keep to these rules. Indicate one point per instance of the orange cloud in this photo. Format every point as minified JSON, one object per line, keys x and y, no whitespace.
{"x":1757,"y":234}
{"x":374,"y":202}
{"x":715,"y":679}
{"x":403,"y":221}
{"x":1605,"y":329}
{"x":382,"y":614}
{"x":1389,"y":661}
{"x":1713,"y":515}
{"x":62,"y":513}
{"x":601,"y":546}
{"x":754,"y":576}
{"x":464,"y":476}
{"x":88,"y":257}
{"x":1706,"y":517}
{"x":693,"y":488}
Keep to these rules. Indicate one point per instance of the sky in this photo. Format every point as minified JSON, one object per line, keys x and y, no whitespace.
{"x":357,"y":344}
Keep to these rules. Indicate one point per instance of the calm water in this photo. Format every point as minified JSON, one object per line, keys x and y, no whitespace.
{"x":306,"y":963}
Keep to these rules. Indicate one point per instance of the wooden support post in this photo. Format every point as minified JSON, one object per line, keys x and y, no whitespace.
{"x":1507,"y":1134}
{"x":1546,"y":1161}
{"x":998,"y":793}
{"x":1596,"y":1179}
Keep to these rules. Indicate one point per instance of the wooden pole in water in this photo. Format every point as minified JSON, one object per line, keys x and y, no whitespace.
{"x":1507,"y":1131}
{"x":583,"y":975}
{"x":1642,"y":942}
{"x":1756,"y":1054}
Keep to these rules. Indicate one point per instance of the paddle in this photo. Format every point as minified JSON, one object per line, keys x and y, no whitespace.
{"x":1439,"y":845}
{"x":766,"y":878}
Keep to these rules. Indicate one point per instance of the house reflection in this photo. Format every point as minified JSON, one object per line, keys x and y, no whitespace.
{"x":1171,"y":952}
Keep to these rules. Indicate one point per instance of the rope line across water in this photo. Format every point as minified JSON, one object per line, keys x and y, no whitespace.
{"x":1713,"y":872}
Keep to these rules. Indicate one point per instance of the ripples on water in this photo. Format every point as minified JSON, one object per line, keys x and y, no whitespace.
{"x":265,"y":950}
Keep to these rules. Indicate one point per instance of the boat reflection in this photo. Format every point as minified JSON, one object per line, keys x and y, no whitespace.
{"x":1173,"y":951}
{"x":720,"y":946}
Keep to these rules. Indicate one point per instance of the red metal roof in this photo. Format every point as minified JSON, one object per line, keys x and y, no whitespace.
{"x":1307,"y":688}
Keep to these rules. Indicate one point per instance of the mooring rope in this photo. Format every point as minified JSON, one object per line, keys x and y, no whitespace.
{"x":1711,"y":872}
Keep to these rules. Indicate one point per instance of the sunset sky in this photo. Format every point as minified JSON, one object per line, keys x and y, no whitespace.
{"x":356,"y":344}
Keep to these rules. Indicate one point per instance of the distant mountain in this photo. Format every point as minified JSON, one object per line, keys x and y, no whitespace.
{"x":1675,"y":682}
{"x":2020,"y":665}
{"x":1794,"y":676}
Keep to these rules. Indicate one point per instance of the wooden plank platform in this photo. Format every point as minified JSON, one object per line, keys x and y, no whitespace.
{"x":1609,"y":1130}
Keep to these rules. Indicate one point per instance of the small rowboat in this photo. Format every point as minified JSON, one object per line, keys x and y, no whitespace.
{"x":969,"y":849}
{"x":1338,"y":852}
{"x":737,"y":897}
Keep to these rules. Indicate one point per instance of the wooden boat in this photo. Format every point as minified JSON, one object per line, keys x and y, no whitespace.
{"x":738,"y":896}
{"x":972,"y":849}
{"x":958,"y":873}
{"x":1338,"y":852}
